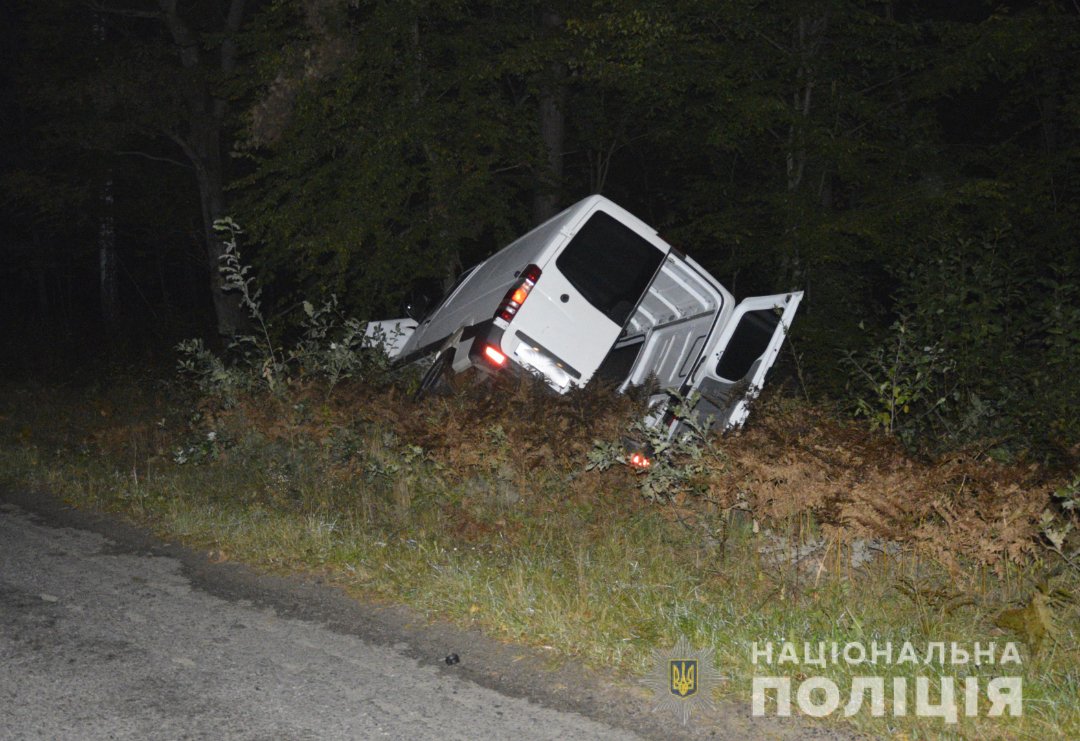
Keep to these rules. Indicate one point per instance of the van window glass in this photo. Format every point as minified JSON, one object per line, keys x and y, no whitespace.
{"x":609,"y":265}
{"x":618,"y":363}
{"x":748,"y":343}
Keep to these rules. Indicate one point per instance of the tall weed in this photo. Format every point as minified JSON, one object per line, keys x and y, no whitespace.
{"x":330,"y":346}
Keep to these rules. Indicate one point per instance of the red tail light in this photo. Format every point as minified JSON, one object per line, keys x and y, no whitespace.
{"x":639,"y":461}
{"x":516,"y":296}
{"x":494,"y":355}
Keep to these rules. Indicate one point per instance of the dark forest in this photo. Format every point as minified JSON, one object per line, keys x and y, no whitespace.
{"x":913,"y":166}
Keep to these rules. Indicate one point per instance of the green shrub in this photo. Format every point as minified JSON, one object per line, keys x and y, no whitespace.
{"x":330,"y":346}
{"x":983,"y":348}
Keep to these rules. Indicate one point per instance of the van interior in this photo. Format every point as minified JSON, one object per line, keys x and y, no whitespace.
{"x":667,"y":331}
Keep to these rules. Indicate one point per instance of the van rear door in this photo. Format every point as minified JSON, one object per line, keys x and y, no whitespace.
{"x":585,"y":295}
{"x":733,"y":369}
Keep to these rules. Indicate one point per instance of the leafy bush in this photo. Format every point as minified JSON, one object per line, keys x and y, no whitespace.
{"x":675,"y":464}
{"x":984,"y":344}
{"x":902,"y":382}
{"x":337,"y":347}
{"x":210,"y":373}
{"x":330,"y":346}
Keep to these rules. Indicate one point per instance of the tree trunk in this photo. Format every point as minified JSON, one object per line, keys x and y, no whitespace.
{"x":808,"y":36}
{"x":231,"y":317}
{"x":42,"y":272}
{"x":202,"y":145}
{"x":1048,"y":109}
{"x":552,"y":131}
{"x":106,"y":238}
{"x":107,"y":261}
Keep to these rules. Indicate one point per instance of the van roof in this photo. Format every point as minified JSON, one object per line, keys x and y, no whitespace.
{"x":586,"y":204}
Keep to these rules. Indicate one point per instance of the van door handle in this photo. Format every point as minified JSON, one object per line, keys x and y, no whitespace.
{"x":564,"y":298}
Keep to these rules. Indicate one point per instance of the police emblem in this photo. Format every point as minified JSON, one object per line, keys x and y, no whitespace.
{"x":682,"y":679}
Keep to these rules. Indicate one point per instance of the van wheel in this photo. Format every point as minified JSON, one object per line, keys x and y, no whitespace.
{"x":435,"y":377}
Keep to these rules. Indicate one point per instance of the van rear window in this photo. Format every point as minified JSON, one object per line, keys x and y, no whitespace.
{"x":748,"y":343}
{"x":610,"y":265}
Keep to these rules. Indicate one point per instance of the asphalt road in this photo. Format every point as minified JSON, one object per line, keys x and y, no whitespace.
{"x":108,"y":633}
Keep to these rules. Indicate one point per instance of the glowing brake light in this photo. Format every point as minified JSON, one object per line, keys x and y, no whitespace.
{"x":496,"y":357}
{"x":516,"y":296}
{"x":640,"y":461}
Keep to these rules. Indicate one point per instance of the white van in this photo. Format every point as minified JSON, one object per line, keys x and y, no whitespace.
{"x":594,"y":292}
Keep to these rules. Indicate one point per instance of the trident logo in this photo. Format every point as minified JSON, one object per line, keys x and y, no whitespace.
{"x":683,"y":677}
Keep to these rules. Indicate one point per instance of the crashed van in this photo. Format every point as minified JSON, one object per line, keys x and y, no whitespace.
{"x":594,"y":292}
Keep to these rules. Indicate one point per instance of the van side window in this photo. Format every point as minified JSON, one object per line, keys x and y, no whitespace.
{"x":748,"y":343}
{"x":609,"y":265}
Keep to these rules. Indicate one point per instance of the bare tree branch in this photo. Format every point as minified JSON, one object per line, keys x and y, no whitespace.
{"x":775,"y":44}
{"x":125,"y":12}
{"x":155,"y":158}
{"x":185,"y":145}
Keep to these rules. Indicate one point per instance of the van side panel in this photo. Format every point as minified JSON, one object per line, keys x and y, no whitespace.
{"x":477,"y":297}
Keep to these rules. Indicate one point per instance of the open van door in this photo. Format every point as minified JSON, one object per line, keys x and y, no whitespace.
{"x":733,"y":369}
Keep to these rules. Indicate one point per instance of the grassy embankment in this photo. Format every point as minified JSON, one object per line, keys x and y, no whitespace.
{"x":478,"y":507}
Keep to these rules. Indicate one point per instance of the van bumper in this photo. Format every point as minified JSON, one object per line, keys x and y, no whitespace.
{"x":523,"y":354}
{"x":486,"y":335}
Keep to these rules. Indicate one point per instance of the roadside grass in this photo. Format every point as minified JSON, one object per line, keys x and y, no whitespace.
{"x":477,"y":508}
